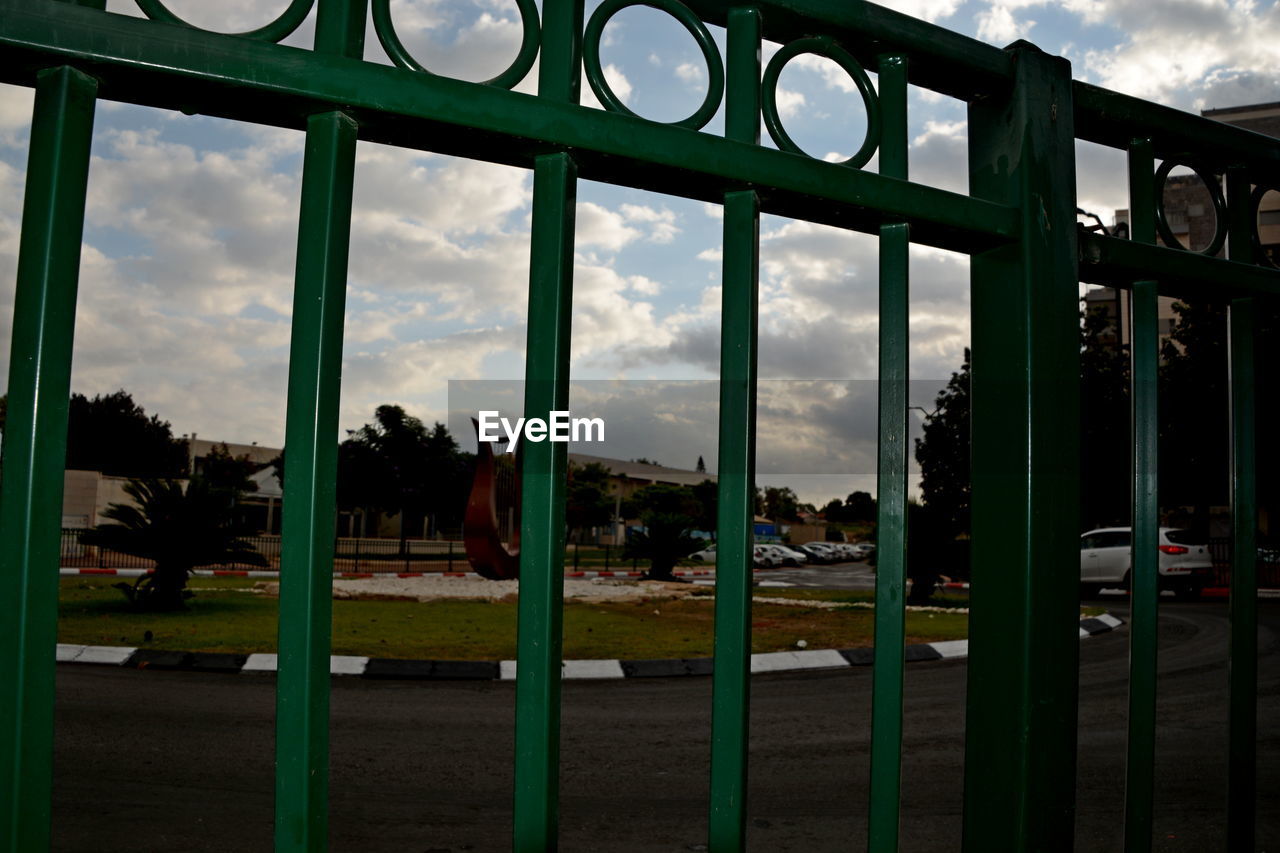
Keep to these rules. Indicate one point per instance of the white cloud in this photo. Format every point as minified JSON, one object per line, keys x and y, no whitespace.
{"x":603,"y":228}
{"x":929,"y":10}
{"x":939,"y":156}
{"x":998,"y":24}
{"x":618,"y":82}
{"x":691,"y":73}
{"x":605,"y":320}
{"x":1192,"y":53}
{"x":832,"y":74}
{"x":661,"y":223}
{"x":789,"y":102}
{"x":643,"y":285}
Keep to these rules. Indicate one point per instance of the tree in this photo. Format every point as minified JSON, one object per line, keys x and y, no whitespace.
{"x":833,"y":510}
{"x":1105,"y":446}
{"x":669,"y":514}
{"x":943,"y":451}
{"x":397,"y":465}
{"x":943,"y":454}
{"x":1194,"y":401}
{"x":178,"y":529}
{"x":701,"y":467}
{"x":221,"y":470}
{"x":781,"y":503}
{"x":113,"y":434}
{"x":707,"y":494}
{"x":587,"y":499}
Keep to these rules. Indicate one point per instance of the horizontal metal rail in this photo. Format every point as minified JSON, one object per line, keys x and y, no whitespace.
{"x":1112,"y":119}
{"x":1118,"y":263}
{"x":940,"y":59}
{"x":150,"y":64}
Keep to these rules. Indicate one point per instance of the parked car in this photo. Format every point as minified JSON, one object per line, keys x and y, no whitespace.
{"x":843,"y":550}
{"x":863,"y":550}
{"x":766,"y":558}
{"x":759,"y":557}
{"x":818,"y":552}
{"x":788,"y":556}
{"x":1184,"y":566}
{"x":706,"y":555}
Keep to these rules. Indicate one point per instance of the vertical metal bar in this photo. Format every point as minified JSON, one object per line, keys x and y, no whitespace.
{"x":739,"y":312}
{"x":1243,"y":679}
{"x":1144,"y":568}
{"x":1024,"y":618}
{"x":35,"y":447}
{"x":891,"y":480}
{"x":542,"y":536}
{"x":311,"y":435}
{"x":542,"y":533}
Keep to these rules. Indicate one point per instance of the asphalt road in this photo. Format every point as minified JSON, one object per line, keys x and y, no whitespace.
{"x":183,"y":761}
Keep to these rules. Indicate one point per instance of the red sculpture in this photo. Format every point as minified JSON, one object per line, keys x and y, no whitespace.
{"x":488,"y":556}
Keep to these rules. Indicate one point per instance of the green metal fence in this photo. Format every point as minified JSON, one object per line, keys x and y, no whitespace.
{"x":1017,"y":224}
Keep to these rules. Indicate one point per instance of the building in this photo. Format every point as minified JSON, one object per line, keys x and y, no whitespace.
{"x":87,"y":494}
{"x":1189,"y":210}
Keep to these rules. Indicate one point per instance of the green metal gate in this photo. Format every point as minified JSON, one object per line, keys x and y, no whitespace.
{"x":1027,"y":259}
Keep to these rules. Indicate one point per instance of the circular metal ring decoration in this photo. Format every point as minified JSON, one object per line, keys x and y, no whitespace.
{"x":1210,"y":182}
{"x":1255,"y":202}
{"x":821,"y":46}
{"x":690,"y":21}
{"x":288,"y":21}
{"x":516,"y":71}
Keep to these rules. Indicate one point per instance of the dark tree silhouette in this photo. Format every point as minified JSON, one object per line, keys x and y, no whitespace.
{"x":588,"y":502}
{"x":781,"y":503}
{"x":943,"y":454}
{"x":1105,"y":445}
{"x":669,"y":515}
{"x":397,"y":465}
{"x":113,"y":434}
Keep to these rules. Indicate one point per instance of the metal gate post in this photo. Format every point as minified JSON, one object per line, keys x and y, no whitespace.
{"x":542,"y":534}
{"x":309,"y":509}
{"x":1242,"y":716}
{"x":1021,"y":738}
{"x":35,"y":446}
{"x":739,"y":319}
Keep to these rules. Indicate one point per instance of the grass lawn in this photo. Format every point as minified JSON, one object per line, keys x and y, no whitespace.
{"x":227,"y":616}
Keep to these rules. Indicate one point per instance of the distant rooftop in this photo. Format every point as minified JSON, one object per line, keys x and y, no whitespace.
{"x":1243,"y":111}
{"x":643,"y":470}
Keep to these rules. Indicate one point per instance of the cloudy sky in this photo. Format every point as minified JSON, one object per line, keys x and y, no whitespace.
{"x":187,"y":267}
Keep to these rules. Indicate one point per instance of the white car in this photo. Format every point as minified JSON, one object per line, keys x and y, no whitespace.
{"x":863,"y":550}
{"x":788,"y":556}
{"x":706,"y":555}
{"x":825,"y":551}
{"x":759,"y":557}
{"x":765,"y":558}
{"x":848,"y":550}
{"x":1185,"y":564}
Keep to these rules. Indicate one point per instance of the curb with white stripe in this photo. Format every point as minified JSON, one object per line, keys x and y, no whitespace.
{"x":791,"y":661}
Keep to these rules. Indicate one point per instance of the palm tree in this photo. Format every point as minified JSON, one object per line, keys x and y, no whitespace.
{"x":178,"y":529}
